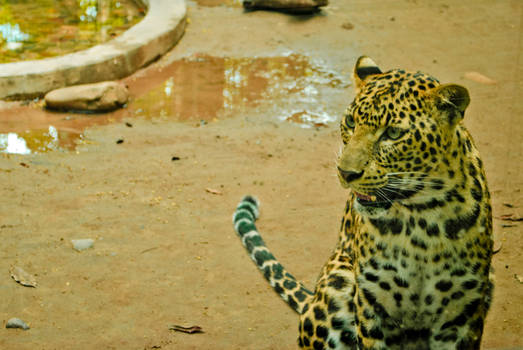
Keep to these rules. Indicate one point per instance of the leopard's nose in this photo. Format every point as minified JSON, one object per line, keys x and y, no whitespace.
{"x":350,"y":175}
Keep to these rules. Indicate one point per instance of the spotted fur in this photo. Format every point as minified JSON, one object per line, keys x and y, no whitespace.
{"x":412,"y":263}
{"x":291,"y":291}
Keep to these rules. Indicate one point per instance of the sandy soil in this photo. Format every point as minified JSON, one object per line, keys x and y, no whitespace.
{"x":165,"y":252}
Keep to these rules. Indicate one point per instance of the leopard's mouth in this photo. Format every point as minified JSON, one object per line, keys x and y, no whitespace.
{"x":372,"y":200}
{"x":365,"y":197}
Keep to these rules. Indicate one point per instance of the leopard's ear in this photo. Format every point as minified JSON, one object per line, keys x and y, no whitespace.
{"x":452,"y":100}
{"x":364,"y":67}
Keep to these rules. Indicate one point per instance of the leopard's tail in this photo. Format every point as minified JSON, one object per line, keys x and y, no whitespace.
{"x":291,"y":291}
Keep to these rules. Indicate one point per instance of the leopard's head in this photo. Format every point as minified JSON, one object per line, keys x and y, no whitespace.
{"x":396,"y":134}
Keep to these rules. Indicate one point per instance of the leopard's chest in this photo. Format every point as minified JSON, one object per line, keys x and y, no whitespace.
{"x":411,"y":276}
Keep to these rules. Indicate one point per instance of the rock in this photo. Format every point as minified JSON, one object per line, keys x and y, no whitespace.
{"x":16,"y":323}
{"x":296,"y":6}
{"x":98,"y":97}
{"x":82,"y":244}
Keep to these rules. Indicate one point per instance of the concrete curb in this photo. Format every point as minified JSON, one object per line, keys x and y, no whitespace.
{"x":161,"y":28}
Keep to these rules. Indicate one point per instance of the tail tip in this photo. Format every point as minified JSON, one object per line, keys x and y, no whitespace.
{"x":250,"y":204}
{"x":251,"y":199}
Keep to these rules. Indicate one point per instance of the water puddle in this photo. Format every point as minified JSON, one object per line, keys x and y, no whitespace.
{"x":205,"y":88}
{"x":194,"y":89}
{"x":26,"y":130}
{"x":36,"y":29}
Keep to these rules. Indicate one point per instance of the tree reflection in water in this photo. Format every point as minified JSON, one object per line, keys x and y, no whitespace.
{"x":36,"y":29}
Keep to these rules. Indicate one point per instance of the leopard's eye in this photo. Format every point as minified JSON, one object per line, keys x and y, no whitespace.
{"x":349,"y":121}
{"x":393,"y":133}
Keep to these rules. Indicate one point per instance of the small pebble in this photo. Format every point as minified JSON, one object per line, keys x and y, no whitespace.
{"x":16,"y":323}
{"x":82,"y":244}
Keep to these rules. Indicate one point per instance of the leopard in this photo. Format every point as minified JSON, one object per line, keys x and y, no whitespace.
{"x":411,"y":268}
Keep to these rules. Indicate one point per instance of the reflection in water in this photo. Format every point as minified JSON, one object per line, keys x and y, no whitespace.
{"x":288,"y":88}
{"x":12,"y":143}
{"x":12,"y":34}
{"x":35,"y":29}
{"x":25,"y":130}
{"x":206,"y":87}
{"x":31,"y":141}
{"x":89,"y":10}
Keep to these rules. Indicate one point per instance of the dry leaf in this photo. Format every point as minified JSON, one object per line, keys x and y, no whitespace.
{"x":347,"y":25}
{"x":497,"y":249}
{"x":510,"y":217}
{"x":479,"y":78}
{"x":23,"y":277}
{"x":188,"y":330}
{"x":213,"y":191}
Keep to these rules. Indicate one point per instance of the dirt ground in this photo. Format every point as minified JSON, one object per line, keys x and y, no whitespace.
{"x":165,"y":251}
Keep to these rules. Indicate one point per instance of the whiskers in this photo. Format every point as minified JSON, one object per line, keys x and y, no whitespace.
{"x":400,"y":187}
{"x":381,"y":195}
{"x":416,"y":179}
{"x":409,"y":183}
{"x":337,"y":156}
